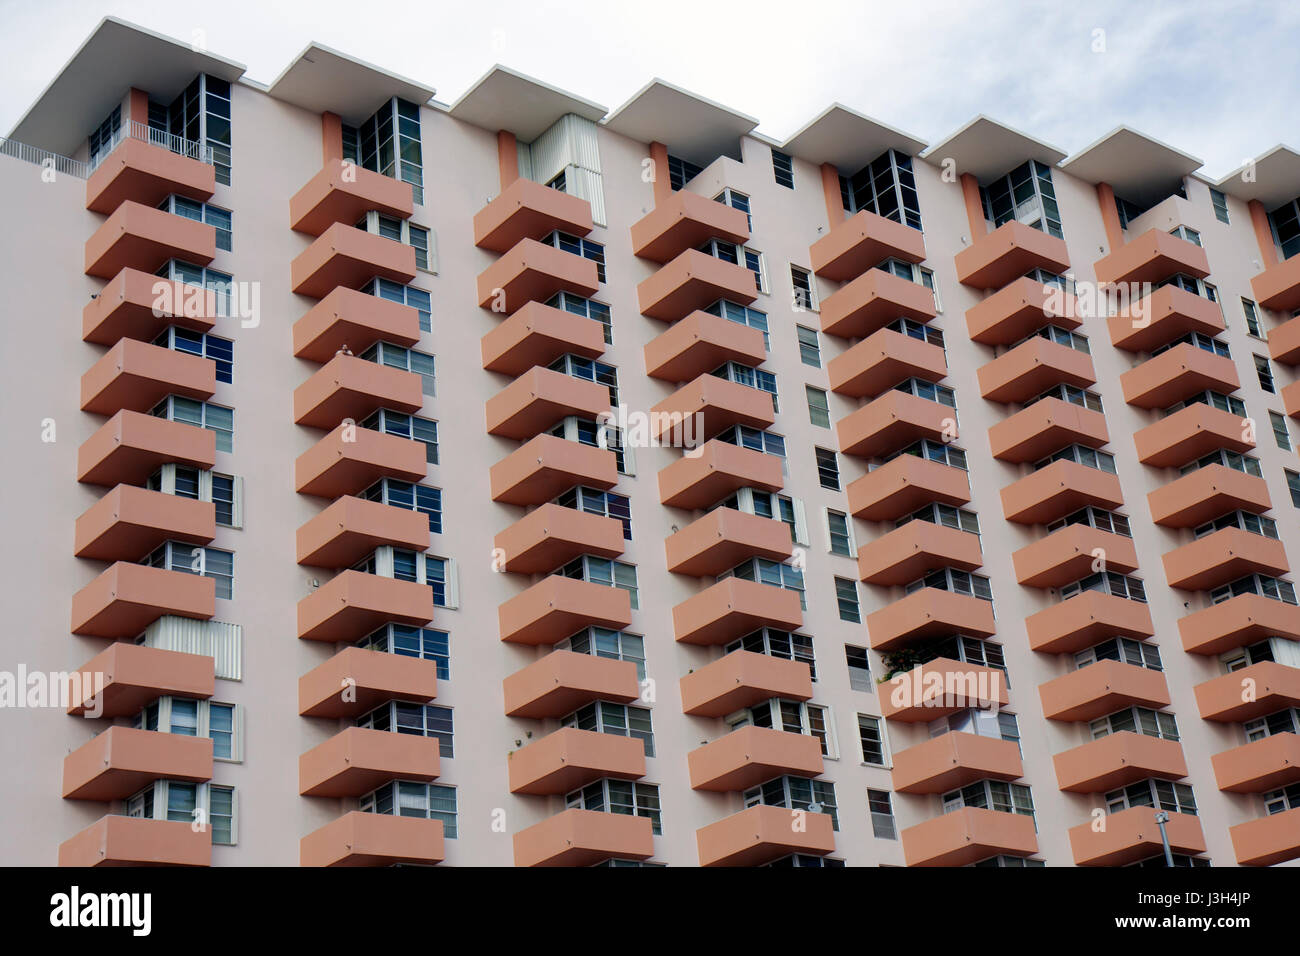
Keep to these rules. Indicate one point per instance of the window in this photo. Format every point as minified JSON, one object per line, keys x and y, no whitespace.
{"x":1095,"y":518}
{"x":603,"y":571}
{"x":558,"y":183}
{"x":1025,"y":195}
{"x":200,"y":114}
{"x":859,"y":668}
{"x":1251,"y":312}
{"x":616,"y":645}
{"x":840,"y":533}
{"x":425,"y":643}
{"x":596,"y":435}
{"x":751,"y":259}
{"x":1283,"y":722}
{"x":423,"y":430}
{"x":192,"y":559}
{"x":221,"y":351}
{"x":1123,"y":649}
{"x":999,"y":724}
{"x":1253,"y":523}
{"x":819,"y":412}
{"x":777,"y":643}
{"x":206,"y":804}
{"x":804,"y":861}
{"x":1225,"y":403}
{"x":1071,"y":394}
{"x":620,"y":720}
{"x":422,"y":720}
{"x":416,"y":567}
{"x":1285,"y":221}
{"x":1082,"y":455}
{"x":935,"y":451}
{"x":403,"y":231}
{"x":747,"y":437}
{"x":917,"y":330}
{"x":1228,"y":459}
{"x":406,"y":494}
{"x":193,"y":718}
{"x":1220,"y":203}
{"x":991,"y":795}
{"x":803,"y":297}
{"x":959,"y":519}
{"x":1273,"y":588}
{"x":1293,"y":485}
{"x":769,"y":504}
{"x":681,"y":172}
{"x":1163,"y":794}
{"x":729,"y":197}
{"x":1137,"y":720}
{"x":828,"y":468}
{"x":224,"y":491}
{"x":796,"y":793}
{"x":1107,"y":582}
{"x":219,"y":284}
{"x":968,"y":650}
{"x":742,"y":315}
{"x":579,"y":366}
{"x":872,"y":737}
{"x":1015,"y":862}
{"x":396,"y":356}
{"x":1187,"y":234}
{"x":1278,"y":801}
{"x":219,"y":219}
{"x":105,"y":137}
{"x":766,"y":571}
{"x":1054,"y":333}
{"x":783,"y":169}
{"x":1189,"y":284}
{"x":1243,"y":657}
{"x":588,"y":307}
{"x":407,"y":798}
{"x":215,"y":418}
{"x":882,"y":815}
{"x":928,"y":390}
{"x":846,"y":597}
{"x":579,"y":247}
{"x":913,"y":273}
{"x":604,"y":503}
{"x":619,"y":796}
{"x":809,"y":348}
{"x":417,"y":299}
{"x":389,"y":143}
{"x":959,"y":582}
{"x":886,"y":187}
{"x":1180,"y":860}
{"x":1264,"y":371}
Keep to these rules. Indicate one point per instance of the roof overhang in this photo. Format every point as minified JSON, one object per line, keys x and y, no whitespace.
{"x":1273,"y":178}
{"x":692,"y":127}
{"x":988,"y":149}
{"x":115,"y":57}
{"x":847,"y":140}
{"x":505,"y":100}
{"x":323,"y":80}
{"x":1140,"y":169}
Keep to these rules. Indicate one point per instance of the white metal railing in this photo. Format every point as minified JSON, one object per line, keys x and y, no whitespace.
{"x":43,"y":157}
{"x":132,"y":129}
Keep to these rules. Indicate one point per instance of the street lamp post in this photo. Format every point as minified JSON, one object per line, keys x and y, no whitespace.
{"x":1161,"y":819}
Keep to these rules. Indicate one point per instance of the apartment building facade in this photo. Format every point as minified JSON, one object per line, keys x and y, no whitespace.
{"x":521,"y":482}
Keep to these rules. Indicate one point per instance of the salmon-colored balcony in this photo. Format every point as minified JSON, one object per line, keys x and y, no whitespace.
{"x":146,"y":173}
{"x":1254,"y":691}
{"x":862,"y":242}
{"x":1069,"y":553}
{"x":1117,"y":760}
{"x":137,"y":376}
{"x":1044,"y":427}
{"x":129,"y":522}
{"x":1007,"y":253}
{"x":570,"y":758}
{"x":907,"y":553}
{"x":1056,"y":490}
{"x":116,"y":840}
{"x":350,"y":459}
{"x":892,"y":421}
{"x":533,"y":272}
{"x":1159,"y":318}
{"x":344,"y":255}
{"x":953,"y":760}
{"x":122,"y":760}
{"x":134,"y":675}
{"x":742,"y":679}
{"x":347,"y":318}
{"x":722,"y":539}
{"x":700,"y":343}
{"x":941,"y":687}
{"x":577,"y":837}
{"x":1188,"y":434}
{"x":1265,"y":764}
{"x":538,"y":399}
{"x":344,"y":193}
{"x":1237,"y":622}
{"x":353,"y":603}
{"x":929,"y":612}
{"x":1278,"y":286}
{"x":355,"y":681}
{"x":733,"y":608}
{"x":1024,"y":306}
{"x":1268,"y":840}
{"x":544,"y":466}
{"x":717,"y":402}
{"x":1132,"y":835}
{"x":881,"y":361}
{"x":373,"y":839}
{"x":714,"y":472}
{"x":1174,"y":375}
{"x":690,"y":282}
{"x":1284,"y":342}
{"x":685,"y":221}
{"x":872,"y":301}
{"x":131,"y":446}
{"x":351,"y":528}
{"x":127,"y":598}
{"x":1031,"y":368}
{"x":968,"y":835}
{"x":747,"y":756}
{"x":529,"y":210}
{"x":138,"y":305}
{"x":1206,"y":493}
{"x":1102,"y":688}
{"x":142,"y":237}
{"x":357,"y":760}
{"x":350,"y":387}
{"x":904,"y":484}
{"x":1151,"y":257}
{"x":556,"y":607}
{"x":562,"y":681}
{"x":551,"y":535}
{"x":762,"y":834}
{"x":1084,"y":620}
{"x":1223,"y":556}
{"x":537,"y":335}
{"x":1291,"y":399}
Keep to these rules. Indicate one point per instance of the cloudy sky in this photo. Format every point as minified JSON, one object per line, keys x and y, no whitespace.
{"x":1215,"y":79}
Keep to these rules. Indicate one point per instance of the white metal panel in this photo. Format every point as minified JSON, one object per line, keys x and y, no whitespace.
{"x":222,"y":642}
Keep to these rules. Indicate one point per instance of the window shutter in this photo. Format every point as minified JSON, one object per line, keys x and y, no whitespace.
{"x":453,"y":584}
{"x":800,"y":523}
{"x":237,"y":509}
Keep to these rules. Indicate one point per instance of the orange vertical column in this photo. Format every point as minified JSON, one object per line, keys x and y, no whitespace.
{"x":831,"y":193}
{"x":970,"y":194}
{"x":1110,"y":216}
{"x":507,"y":158}
{"x":138,"y":107}
{"x":663,"y":185}
{"x":1263,"y":234}
{"x":331,"y":138}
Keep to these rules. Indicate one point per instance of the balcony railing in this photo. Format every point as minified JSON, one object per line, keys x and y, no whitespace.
{"x":132,"y":129}
{"x":43,"y":157}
